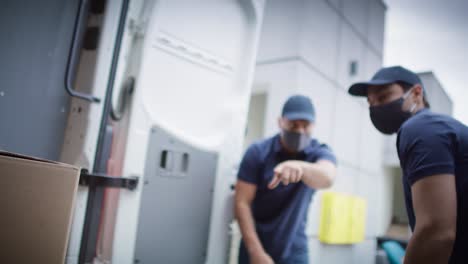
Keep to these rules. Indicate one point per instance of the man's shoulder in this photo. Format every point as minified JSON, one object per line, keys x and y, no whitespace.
{"x":262,"y":147}
{"x":426,"y":128}
{"x":264,"y":143}
{"x":317,"y":145}
{"x":426,"y":122}
{"x":319,"y":150}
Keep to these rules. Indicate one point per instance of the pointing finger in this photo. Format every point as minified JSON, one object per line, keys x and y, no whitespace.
{"x":275,"y":181}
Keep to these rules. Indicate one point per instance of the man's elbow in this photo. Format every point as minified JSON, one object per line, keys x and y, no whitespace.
{"x":239,"y":208}
{"x":444,"y":236}
{"x":328,"y":182}
{"x":448,"y":236}
{"x":236,"y":211}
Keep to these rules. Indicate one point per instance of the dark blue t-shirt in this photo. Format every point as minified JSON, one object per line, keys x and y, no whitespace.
{"x":429,"y":144}
{"x":280,"y":214}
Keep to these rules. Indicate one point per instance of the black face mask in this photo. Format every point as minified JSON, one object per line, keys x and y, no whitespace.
{"x":295,"y":141}
{"x":388,"y":118}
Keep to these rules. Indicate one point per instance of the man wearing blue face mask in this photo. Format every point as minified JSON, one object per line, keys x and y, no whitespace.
{"x":276,"y":181}
{"x":433,"y":152}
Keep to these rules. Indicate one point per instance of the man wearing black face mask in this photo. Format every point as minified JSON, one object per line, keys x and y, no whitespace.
{"x":433,"y":152}
{"x":272,"y":216}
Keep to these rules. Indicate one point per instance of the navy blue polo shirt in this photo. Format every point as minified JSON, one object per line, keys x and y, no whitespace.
{"x":280,"y":214}
{"x":429,"y":144}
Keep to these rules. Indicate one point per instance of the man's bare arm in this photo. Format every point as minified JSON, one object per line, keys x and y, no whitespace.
{"x":245,"y":193}
{"x":435,"y":207}
{"x":318,"y":175}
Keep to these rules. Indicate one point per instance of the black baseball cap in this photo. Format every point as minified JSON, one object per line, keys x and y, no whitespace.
{"x":299,"y":107}
{"x":385,"y":76}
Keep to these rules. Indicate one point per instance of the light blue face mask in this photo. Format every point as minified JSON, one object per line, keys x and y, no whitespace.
{"x":295,"y":141}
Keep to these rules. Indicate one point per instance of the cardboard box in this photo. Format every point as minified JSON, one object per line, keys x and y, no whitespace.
{"x":36,"y":200}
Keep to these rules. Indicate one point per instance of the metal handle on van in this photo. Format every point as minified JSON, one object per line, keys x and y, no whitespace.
{"x":74,"y":55}
{"x":99,"y":179}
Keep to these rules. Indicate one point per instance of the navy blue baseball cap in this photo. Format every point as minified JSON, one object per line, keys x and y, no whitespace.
{"x":299,"y":107}
{"x":386,"y":76}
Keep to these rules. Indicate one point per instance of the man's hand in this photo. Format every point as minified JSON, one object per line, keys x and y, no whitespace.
{"x":287,"y":172}
{"x":261,"y":257}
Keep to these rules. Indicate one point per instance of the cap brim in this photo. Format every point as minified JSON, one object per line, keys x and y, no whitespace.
{"x":299,"y":116}
{"x":360,"y":89}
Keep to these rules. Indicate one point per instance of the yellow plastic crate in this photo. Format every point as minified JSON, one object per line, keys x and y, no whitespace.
{"x":342,"y":219}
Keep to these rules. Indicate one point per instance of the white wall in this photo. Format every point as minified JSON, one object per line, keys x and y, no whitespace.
{"x":256,"y":119}
{"x":437,"y":96}
{"x":283,"y":41}
{"x":399,"y":208}
{"x":306,"y":47}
